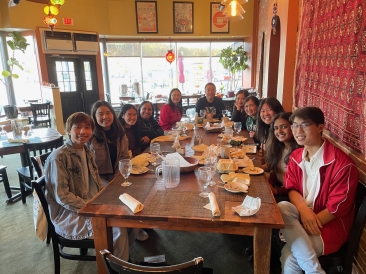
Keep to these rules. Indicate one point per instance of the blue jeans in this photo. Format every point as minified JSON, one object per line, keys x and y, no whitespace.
{"x":302,"y":250}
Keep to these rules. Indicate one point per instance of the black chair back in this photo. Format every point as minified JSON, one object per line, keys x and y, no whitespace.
{"x":37,"y":149}
{"x":38,"y":162}
{"x":41,"y":114}
{"x":116,"y":265}
{"x":58,"y":242}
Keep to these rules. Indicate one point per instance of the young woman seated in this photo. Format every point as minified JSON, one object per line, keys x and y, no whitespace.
{"x":149,"y":127}
{"x":239,"y":114}
{"x":171,"y":112}
{"x":128,"y":120}
{"x":280,"y":144}
{"x":109,"y":141}
{"x":72,"y":180}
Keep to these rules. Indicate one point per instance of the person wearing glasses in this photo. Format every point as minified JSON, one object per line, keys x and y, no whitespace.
{"x":239,"y":114}
{"x":322,"y":182}
{"x":280,"y":144}
{"x":210,"y":101}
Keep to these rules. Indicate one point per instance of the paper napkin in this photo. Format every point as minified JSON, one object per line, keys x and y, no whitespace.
{"x":249,"y":207}
{"x":213,"y":206}
{"x":131,"y":202}
{"x":182,"y":161}
{"x":11,"y":140}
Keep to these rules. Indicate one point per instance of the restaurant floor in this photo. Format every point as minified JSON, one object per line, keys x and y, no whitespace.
{"x":22,"y":252}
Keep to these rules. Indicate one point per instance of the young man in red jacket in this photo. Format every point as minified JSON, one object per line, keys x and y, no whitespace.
{"x":322,"y":182}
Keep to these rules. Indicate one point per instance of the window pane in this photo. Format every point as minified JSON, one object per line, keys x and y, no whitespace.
{"x":123,"y":71}
{"x":194,"y":49}
{"x":159,"y":76}
{"x":27,"y":86}
{"x":156,"y":49}
{"x":123,"y":49}
{"x":65,"y":73}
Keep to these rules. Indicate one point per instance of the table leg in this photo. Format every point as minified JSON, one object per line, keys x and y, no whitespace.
{"x":103,"y":239}
{"x":262,"y":250}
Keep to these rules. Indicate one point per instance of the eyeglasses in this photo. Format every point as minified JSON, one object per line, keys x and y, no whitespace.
{"x":304,"y":126}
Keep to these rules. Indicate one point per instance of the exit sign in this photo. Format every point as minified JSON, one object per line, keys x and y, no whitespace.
{"x":68,"y":21}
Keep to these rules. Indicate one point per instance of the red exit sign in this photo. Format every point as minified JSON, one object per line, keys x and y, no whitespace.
{"x":68,"y":21}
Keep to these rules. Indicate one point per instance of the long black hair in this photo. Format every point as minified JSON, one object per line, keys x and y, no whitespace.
{"x":140,"y":107}
{"x":98,"y":132}
{"x":274,"y":147}
{"x":172,"y":105}
{"x":135,"y":128}
{"x":262,"y":127}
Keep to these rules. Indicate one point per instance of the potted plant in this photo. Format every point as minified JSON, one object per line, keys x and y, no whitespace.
{"x":17,"y":42}
{"x":234,"y":60}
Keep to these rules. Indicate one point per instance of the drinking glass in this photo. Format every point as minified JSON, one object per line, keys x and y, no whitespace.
{"x":228,"y":133}
{"x":3,"y":133}
{"x":155,"y":150}
{"x":125,"y":166}
{"x":30,"y":132}
{"x":224,"y":113}
{"x":204,"y":174}
{"x":237,"y":127}
{"x":211,"y":164}
{"x":203,"y":113}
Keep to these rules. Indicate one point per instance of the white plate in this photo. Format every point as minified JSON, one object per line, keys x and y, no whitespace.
{"x":253,"y":170}
{"x":141,"y":170}
{"x":229,"y":188}
{"x":250,"y":149}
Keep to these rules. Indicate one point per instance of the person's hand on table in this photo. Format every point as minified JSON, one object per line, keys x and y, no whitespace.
{"x":145,"y":140}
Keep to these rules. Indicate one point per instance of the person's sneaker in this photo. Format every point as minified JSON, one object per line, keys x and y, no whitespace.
{"x":142,"y":236}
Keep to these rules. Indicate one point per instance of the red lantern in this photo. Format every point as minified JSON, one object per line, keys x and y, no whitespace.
{"x":170,"y":56}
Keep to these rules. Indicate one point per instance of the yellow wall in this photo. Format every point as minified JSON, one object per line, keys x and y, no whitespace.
{"x":117,"y":17}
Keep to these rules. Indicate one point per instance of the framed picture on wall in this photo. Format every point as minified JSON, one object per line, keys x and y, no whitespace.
{"x":183,"y":17}
{"x":219,"y":23}
{"x":146,"y":16}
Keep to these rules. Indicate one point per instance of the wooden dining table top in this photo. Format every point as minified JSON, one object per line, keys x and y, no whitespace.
{"x":148,"y":191}
{"x":41,"y":135}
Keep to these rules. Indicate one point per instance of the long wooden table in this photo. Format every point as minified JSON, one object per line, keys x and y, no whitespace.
{"x":182,"y":209}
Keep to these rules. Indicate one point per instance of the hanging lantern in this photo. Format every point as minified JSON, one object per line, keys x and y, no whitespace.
{"x":51,"y":10}
{"x":170,"y":56}
{"x":57,"y":2}
{"x":50,"y":21}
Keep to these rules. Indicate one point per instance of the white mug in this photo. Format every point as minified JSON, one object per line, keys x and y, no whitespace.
{"x":225,"y":151}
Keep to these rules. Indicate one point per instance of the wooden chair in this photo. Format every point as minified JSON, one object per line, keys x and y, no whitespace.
{"x":41,"y":114}
{"x":58,"y":242}
{"x":343,"y":258}
{"x":116,"y":265}
{"x":28,"y":173}
{"x":5,"y":181}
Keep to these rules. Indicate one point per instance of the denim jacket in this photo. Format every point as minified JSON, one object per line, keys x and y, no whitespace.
{"x":102,"y":157}
{"x":66,"y":192}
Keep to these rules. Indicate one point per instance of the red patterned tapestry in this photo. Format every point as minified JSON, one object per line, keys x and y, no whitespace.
{"x":331,"y":66}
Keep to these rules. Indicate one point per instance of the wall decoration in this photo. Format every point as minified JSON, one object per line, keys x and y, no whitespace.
{"x":219,"y":23}
{"x":183,"y":17}
{"x":146,"y":16}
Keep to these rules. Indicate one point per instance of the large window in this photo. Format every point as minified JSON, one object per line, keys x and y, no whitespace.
{"x":141,"y":67}
{"x":27,"y":86}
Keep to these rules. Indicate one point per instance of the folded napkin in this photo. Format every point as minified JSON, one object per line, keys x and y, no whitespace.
{"x":141,"y":160}
{"x":227,"y":178}
{"x":199,"y":148}
{"x":239,"y":138}
{"x":249,"y":207}
{"x":213,"y":206}
{"x":11,"y":140}
{"x":131,"y":202}
{"x":182,"y":161}
{"x":168,"y":138}
{"x":245,"y":162}
{"x":238,"y":184}
{"x":214,"y":126}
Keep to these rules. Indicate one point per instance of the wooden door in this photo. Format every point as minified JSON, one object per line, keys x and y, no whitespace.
{"x":76,"y":76}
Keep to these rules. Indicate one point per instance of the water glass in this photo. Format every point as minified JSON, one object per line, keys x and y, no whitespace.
{"x":125,"y":166}
{"x":211,"y":163}
{"x":237,"y":127}
{"x":154,"y":151}
{"x":30,"y":132}
{"x":203,"y":113}
{"x":204,"y":175}
{"x":224,"y":113}
{"x":3,"y":133}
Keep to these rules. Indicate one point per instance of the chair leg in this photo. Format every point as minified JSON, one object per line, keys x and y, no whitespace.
{"x":22,"y":189}
{"x":56,"y":257}
{"x":83,"y":251}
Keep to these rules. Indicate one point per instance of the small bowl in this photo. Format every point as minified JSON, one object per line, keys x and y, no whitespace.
{"x":192,"y":161}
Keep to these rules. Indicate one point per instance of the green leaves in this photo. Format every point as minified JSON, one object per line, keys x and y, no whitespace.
{"x":234,"y":61}
{"x":18,"y":42}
